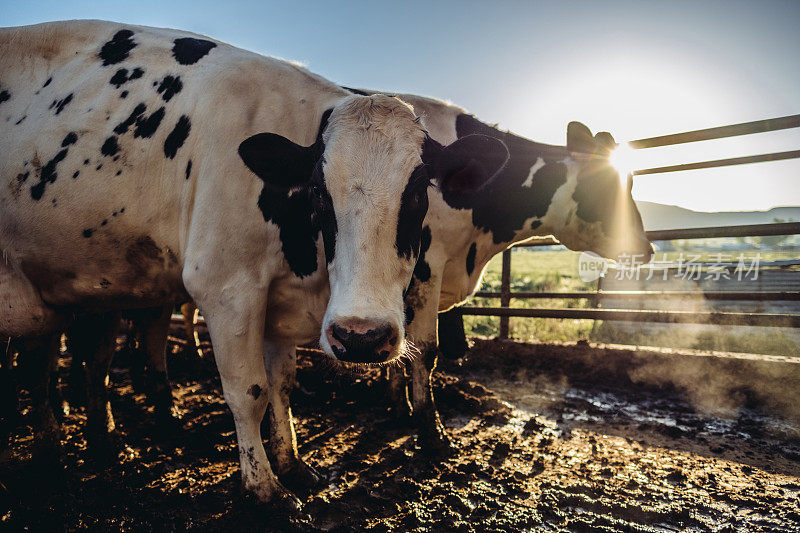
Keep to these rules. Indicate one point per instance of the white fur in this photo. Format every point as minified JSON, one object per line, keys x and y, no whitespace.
{"x":534,"y":168}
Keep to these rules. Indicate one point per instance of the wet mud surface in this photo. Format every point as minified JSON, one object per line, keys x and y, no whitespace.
{"x":537,"y":451}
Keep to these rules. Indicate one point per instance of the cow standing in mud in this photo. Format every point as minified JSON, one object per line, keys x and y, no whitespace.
{"x":569,"y":191}
{"x":142,"y":166}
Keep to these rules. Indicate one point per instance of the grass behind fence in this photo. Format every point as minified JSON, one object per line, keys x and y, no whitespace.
{"x":537,"y":270}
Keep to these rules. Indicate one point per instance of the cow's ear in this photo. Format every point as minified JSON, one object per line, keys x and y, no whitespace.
{"x":277,"y":160}
{"x":579,"y":138}
{"x":465,"y":166}
{"x":604,"y":143}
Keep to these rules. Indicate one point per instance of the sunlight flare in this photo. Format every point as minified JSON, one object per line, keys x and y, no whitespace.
{"x":623,"y":160}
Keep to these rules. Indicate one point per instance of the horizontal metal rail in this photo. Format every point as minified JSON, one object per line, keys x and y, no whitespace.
{"x":720,"y":132}
{"x":761,"y":158}
{"x":628,"y":315}
{"x":710,"y":232}
{"x":748,"y":230}
{"x":763,"y":296}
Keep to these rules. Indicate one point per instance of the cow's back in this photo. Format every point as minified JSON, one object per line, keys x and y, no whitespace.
{"x":115,"y":138}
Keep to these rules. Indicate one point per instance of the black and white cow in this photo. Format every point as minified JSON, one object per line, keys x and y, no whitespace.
{"x":571,"y":192}
{"x":139,"y":166}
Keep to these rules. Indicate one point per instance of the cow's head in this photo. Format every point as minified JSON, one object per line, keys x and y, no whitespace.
{"x":594,"y":211}
{"x":367,"y":180}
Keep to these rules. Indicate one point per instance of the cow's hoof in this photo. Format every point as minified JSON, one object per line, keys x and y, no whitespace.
{"x":285,"y":503}
{"x":76,"y":397}
{"x":301,"y":478}
{"x":47,"y":451}
{"x":168,"y":420}
{"x":104,"y":447}
{"x":280,"y":502}
{"x":436,"y":444}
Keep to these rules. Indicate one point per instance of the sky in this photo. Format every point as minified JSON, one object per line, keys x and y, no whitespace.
{"x":636,"y":69}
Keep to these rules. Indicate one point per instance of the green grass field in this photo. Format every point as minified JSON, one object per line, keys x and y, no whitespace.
{"x":536,"y":270}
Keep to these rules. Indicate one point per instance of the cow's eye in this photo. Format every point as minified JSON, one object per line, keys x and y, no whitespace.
{"x":315,"y":190}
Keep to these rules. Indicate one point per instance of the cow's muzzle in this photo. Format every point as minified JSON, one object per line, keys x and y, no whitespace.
{"x":357,"y":340}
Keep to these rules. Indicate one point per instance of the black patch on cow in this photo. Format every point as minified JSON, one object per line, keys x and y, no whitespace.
{"x":110,"y":147}
{"x":117,"y":49}
{"x":71,"y":138}
{"x":188,"y":169}
{"x":254,"y":390}
{"x":147,"y":126}
{"x":123,"y":94}
{"x":409,"y":315}
{"x":324,"y":216}
{"x":22,"y":178}
{"x":294,"y":195}
{"x":141,"y":254}
{"x":118,"y":173}
{"x":413,"y":206}
{"x":505,"y":204}
{"x":135,"y":115}
{"x":47,"y":82}
{"x":177,"y":136}
{"x":597,"y":197}
{"x":88,"y":232}
{"x":473,"y":250}
{"x":293,"y":214}
{"x":169,"y":87}
{"x":48,"y":175}
{"x":59,"y":105}
{"x":98,"y":167}
{"x":355,"y":91}
{"x":75,"y":174}
{"x":188,"y":50}
{"x":422,"y":270}
{"x":85,"y":162}
{"x":17,"y":123}
{"x":119,"y":78}
{"x":4,"y":96}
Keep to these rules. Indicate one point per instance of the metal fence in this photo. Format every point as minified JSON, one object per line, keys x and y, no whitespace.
{"x":504,"y":311}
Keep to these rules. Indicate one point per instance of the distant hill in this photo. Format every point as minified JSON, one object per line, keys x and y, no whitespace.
{"x":660,"y":216}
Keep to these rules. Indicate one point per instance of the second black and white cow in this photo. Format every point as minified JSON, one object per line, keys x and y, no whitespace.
{"x":571,"y":192}
{"x":139,"y":166}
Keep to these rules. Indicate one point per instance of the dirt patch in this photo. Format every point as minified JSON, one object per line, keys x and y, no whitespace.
{"x":537,"y":451}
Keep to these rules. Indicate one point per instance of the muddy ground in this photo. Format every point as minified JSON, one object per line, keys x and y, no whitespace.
{"x":539,"y":450}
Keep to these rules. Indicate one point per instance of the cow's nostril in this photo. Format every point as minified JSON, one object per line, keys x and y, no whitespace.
{"x":364,"y":342}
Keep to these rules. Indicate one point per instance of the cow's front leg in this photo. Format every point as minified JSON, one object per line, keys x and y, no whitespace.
{"x":95,"y":338}
{"x":397,"y":388}
{"x":237,"y":331}
{"x":281,"y":363}
{"x":432,"y":436}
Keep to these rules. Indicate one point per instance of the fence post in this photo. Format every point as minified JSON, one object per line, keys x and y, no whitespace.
{"x":505,"y":292}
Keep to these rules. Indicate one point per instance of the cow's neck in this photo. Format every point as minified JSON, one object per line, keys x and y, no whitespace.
{"x":514,"y":204}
